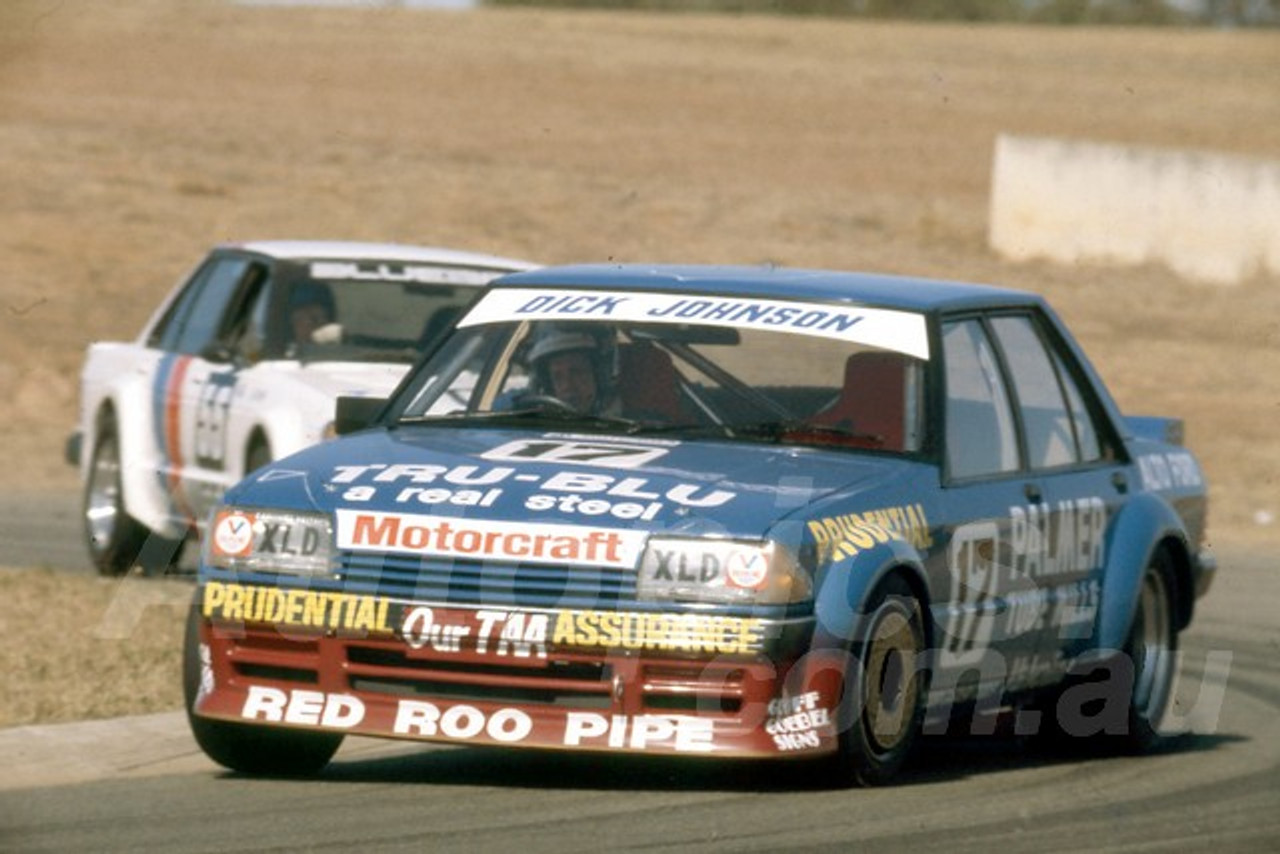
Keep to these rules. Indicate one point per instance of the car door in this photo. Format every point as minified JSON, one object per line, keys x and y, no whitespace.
{"x":987,"y":489}
{"x":196,"y":382}
{"x":1076,"y":458}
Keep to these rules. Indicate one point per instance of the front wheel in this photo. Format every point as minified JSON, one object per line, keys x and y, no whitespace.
{"x":116,"y":541}
{"x":259,"y":455}
{"x":885,"y":687}
{"x":258,"y":750}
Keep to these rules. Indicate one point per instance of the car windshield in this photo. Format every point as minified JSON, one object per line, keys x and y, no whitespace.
{"x":754,"y":370}
{"x":369,"y":311}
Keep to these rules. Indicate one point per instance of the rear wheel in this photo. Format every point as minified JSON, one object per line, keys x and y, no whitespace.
{"x":1119,"y":704}
{"x":116,"y":541}
{"x":884,"y":689}
{"x":263,"y":750}
{"x":1153,"y":650}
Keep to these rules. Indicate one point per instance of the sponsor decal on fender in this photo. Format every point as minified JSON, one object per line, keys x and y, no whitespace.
{"x":454,"y":537}
{"x":840,"y":537}
{"x":1163,"y":472}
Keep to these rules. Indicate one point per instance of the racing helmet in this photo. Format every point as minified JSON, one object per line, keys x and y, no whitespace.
{"x":596,"y":341}
{"x":311,"y":292}
{"x":555,"y":341}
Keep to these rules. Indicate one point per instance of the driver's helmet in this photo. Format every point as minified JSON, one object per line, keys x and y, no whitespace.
{"x":598,"y":343}
{"x":311,"y":292}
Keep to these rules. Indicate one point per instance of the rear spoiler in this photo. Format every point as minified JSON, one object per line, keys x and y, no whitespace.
{"x":1171,"y":431}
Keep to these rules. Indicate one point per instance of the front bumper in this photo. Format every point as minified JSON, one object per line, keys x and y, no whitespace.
{"x":568,"y":679}
{"x":72,"y":448}
{"x":1205,"y":569}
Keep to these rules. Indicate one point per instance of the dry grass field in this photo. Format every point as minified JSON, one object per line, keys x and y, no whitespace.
{"x":134,"y":134}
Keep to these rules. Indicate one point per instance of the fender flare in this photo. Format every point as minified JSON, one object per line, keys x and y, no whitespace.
{"x":839,"y":602}
{"x":1145,"y":524}
{"x":142,"y":495}
{"x":282,"y":427}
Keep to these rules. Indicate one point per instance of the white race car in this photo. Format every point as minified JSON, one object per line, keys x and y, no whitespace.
{"x":241,"y":365}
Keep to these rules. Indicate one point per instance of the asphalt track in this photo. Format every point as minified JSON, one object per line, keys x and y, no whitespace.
{"x":140,"y":784}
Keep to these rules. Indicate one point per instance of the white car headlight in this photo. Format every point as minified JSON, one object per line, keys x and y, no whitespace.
{"x":731,"y":571}
{"x":258,"y":540}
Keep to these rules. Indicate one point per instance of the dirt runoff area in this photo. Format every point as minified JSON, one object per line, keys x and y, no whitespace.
{"x":137,"y":133}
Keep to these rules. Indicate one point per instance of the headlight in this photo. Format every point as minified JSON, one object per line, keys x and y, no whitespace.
{"x":255,"y":540}
{"x":688,"y":570}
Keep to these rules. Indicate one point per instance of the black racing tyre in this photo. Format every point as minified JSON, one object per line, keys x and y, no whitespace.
{"x":257,"y":750}
{"x":116,"y":541}
{"x":885,"y":687}
{"x":1119,"y":704}
{"x":1152,"y":648}
{"x":259,"y":455}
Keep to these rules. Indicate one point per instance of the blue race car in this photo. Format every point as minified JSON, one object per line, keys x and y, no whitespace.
{"x":732,"y":512}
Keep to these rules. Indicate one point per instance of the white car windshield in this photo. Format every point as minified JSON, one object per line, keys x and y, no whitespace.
{"x":341,"y":311}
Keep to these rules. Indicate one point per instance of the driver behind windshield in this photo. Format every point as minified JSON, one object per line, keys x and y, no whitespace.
{"x":312,"y":316}
{"x":576,"y":367}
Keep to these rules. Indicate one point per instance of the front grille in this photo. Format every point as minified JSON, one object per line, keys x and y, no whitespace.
{"x":278,"y":674}
{"x":571,"y":681}
{"x":593,"y":671}
{"x":576,"y":680}
{"x":474,"y":583}
{"x":695,"y":688}
{"x":269,"y":655}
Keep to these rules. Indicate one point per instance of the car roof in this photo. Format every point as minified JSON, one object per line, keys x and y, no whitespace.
{"x":362,"y":251}
{"x":901,"y":292}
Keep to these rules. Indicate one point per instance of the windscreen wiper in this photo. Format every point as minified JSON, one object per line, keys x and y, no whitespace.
{"x":524,"y":415}
{"x":793,"y":431}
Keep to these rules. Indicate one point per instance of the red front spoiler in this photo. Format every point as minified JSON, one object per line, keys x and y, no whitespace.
{"x":510,"y":678}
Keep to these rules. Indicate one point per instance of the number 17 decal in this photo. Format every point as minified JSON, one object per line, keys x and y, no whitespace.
{"x":620,"y":455}
{"x":975,"y":581}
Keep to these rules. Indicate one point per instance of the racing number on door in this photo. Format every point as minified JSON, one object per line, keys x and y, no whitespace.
{"x":213,"y":408}
{"x":975,"y":576}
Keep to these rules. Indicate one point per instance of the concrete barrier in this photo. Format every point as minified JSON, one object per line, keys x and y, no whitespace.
{"x":1209,"y":217}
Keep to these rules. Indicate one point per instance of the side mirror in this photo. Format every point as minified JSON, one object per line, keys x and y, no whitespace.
{"x":353,"y":413}
{"x":218,"y":353}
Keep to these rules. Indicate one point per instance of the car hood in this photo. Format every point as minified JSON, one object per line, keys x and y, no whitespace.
{"x":705,"y":488}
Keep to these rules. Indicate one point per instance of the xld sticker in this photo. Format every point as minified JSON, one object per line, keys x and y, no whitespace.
{"x":232,"y":534}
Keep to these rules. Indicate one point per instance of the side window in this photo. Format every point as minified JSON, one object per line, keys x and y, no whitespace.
{"x":981,"y":437}
{"x":1086,"y":431}
{"x":252,"y":342}
{"x":244,"y":319}
{"x":198,"y":315}
{"x":1046,"y":420}
{"x":165,"y":335}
